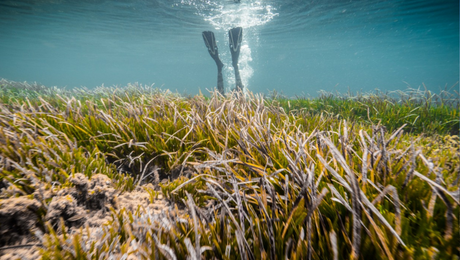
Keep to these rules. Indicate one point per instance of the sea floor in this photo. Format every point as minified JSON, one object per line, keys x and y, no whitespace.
{"x":143,"y":173}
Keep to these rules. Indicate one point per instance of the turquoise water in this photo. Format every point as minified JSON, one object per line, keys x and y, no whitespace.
{"x":293,"y":46}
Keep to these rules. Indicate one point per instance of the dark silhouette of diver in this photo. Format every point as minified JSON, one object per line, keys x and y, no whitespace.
{"x":235,"y":36}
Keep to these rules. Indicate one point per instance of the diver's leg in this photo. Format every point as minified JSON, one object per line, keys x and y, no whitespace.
{"x":220,"y":81}
{"x":235,"y":36}
{"x":210,"y":42}
{"x":239,"y":84}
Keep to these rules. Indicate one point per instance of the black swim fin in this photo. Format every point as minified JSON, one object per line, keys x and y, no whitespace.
{"x":235,"y":37}
{"x":211,"y":44}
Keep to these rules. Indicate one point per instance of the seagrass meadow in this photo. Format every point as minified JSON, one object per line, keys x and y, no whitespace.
{"x":142,"y":173}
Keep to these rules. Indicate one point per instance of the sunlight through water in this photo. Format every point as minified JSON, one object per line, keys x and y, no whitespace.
{"x":225,"y":15}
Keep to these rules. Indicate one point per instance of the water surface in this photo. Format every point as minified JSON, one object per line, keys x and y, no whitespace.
{"x":293,"y":46}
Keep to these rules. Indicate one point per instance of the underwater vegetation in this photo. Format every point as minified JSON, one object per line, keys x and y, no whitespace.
{"x":141,"y":173}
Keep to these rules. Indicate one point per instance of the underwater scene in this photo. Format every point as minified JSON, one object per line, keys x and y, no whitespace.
{"x":229,"y":129}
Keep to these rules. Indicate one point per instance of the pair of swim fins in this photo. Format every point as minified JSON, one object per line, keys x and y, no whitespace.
{"x":235,"y":37}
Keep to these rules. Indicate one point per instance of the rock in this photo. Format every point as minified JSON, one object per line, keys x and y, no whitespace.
{"x":65,"y":207}
{"x":18,"y":218}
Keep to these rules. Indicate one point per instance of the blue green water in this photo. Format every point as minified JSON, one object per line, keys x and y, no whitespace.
{"x":292,"y":46}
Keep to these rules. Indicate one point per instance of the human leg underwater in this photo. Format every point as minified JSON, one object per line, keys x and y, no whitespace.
{"x":235,"y":37}
{"x":210,"y":42}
